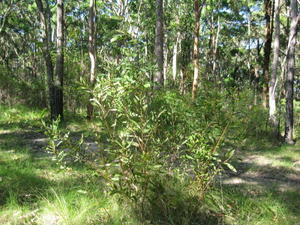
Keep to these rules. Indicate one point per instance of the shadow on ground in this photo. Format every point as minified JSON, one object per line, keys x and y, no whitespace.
{"x":266,"y":177}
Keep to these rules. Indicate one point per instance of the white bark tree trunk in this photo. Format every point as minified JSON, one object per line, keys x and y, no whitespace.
{"x":175,"y":56}
{"x":92,"y":54}
{"x":274,"y":79}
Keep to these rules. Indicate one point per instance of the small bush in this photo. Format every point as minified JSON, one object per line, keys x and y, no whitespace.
{"x":154,"y":137}
{"x":63,"y":148}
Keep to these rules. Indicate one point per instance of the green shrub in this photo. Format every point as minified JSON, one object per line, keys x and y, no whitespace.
{"x":154,"y":136}
{"x":63,"y":148}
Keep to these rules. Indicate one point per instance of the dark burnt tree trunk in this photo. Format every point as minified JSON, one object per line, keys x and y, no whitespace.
{"x":59,"y":73}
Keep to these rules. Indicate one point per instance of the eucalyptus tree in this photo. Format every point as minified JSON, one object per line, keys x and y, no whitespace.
{"x":176,"y":47}
{"x":55,"y":78}
{"x":59,"y":72}
{"x":45,"y":21}
{"x":273,"y":84}
{"x":159,"y":45}
{"x":290,"y":68}
{"x":92,"y":52}
{"x":198,"y":6}
{"x":268,"y":7}
{"x":214,"y":23}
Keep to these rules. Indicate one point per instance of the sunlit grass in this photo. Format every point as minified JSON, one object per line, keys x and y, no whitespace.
{"x":34,"y":185}
{"x":20,"y":113}
{"x":36,"y":191}
{"x":249,"y":205}
{"x":75,"y":207}
{"x":286,"y":156}
{"x":265,"y":204}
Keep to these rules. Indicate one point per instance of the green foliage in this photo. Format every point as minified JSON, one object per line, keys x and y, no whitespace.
{"x":153,"y":137}
{"x":156,"y":142}
{"x":54,"y":134}
{"x":16,"y":90}
{"x":64,"y":148}
{"x":250,"y":127}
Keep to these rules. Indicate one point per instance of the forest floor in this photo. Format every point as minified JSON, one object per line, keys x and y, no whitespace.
{"x":34,"y":190}
{"x":277,"y":168}
{"x":266,"y":187}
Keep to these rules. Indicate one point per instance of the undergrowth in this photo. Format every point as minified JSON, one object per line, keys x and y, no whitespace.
{"x":156,"y":163}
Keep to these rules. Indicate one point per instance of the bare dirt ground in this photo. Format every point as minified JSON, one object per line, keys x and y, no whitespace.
{"x":264,"y":172}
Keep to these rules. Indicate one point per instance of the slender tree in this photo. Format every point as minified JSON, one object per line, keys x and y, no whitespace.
{"x":175,"y":55}
{"x":159,"y":45}
{"x":92,"y":53}
{"x":289,"y":82}
{"x":166,"y":58}
{"x":197,"y":12}
{"x":274,"y":80}
{"x":268,"y":5}
{"x":45,"y":18}
{"x":59,"y":73}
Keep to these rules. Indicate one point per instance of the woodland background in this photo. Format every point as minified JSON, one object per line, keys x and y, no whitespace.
{"x":179,"y":111}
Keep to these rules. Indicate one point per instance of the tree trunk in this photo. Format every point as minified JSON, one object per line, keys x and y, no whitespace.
{"x":59,"y":73}
{"x":267,"y":49}
{"x":46,"y":27}
{"x":257,"y":76}
{"x":166,"y":54}
{"x":249,"y":39}
{"x":273,"y":81}
{"x":92,"y":54}
{"x":182,"y":79}
{"x":159,"y":45}
{"x":289,"y":82}
{"x":175,"y":56}
{"x":197,"y":12}
{"x":215,"y":48}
